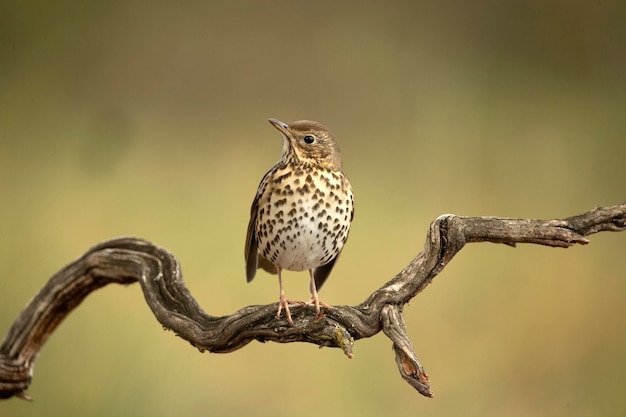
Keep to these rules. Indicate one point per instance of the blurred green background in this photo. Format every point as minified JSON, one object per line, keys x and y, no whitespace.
{"x":149,"y":119}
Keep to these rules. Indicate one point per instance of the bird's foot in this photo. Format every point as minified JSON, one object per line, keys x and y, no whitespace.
{"x":317,"y":303}
{"x":284,"y":304}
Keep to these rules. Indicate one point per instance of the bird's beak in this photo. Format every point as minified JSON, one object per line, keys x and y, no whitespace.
{"x":282,"y":127}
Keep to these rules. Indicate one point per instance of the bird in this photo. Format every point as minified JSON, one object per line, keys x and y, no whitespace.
{"x":302,"y":211}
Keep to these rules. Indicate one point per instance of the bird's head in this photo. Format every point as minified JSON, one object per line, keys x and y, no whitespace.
{"x":309,"y":141}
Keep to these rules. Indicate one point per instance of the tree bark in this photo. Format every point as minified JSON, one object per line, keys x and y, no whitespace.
{"x":129,"y":259}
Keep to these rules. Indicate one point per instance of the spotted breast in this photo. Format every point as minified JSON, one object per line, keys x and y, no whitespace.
{"x":304,"y":216}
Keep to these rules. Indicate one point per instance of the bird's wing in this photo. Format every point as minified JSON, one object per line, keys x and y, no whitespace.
{"x":253,"y":258}
{"x":321,"y":273}
{"x":251,"y":248}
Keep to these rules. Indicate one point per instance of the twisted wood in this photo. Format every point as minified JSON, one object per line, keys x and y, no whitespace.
{"x":127,"y":260}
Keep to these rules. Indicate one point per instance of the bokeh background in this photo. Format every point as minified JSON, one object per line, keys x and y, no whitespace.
{"x":149,"y":119}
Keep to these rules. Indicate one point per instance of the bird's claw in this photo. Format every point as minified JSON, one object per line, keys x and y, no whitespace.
{"x":284,"y":304}
{"x":312,"y":302}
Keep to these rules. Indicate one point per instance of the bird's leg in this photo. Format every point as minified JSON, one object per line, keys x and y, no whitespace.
{"x":314,"y":297}
{"x":315,"y":300}
{"x":283,"y":299}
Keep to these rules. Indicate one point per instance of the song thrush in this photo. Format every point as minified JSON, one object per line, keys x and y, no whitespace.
{"x":301,"y":214}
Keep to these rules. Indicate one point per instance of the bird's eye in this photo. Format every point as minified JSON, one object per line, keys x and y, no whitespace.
{"x":309,"y":139}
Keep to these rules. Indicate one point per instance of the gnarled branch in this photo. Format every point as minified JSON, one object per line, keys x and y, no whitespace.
{"x":128,"y":260}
